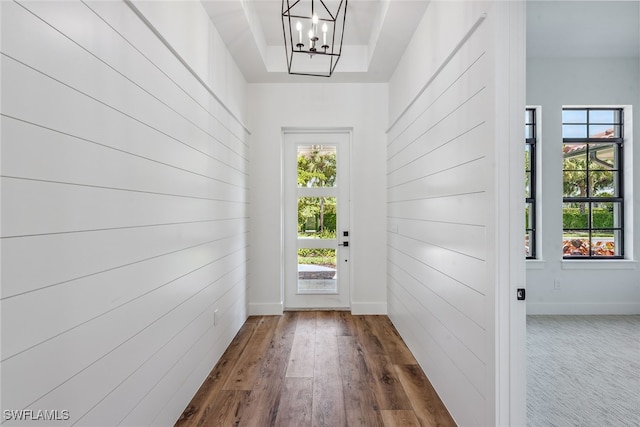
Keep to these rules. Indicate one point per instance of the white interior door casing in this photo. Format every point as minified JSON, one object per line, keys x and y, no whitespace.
{"x":321,"y":282}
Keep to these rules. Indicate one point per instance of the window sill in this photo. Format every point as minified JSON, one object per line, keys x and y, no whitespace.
{"x":536,"y":264}
{"x":599,"y":264}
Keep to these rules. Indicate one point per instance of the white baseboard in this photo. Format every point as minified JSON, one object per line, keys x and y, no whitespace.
{"x":368,"y":308}
{"x":276,"y":309}
{"x":582,"y":308}
{"x":266,"y":309}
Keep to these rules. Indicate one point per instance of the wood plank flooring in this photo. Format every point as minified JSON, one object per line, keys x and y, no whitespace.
{"x":316,"y":368}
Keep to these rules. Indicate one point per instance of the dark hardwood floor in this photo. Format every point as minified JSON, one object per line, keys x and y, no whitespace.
{"x":316,"y":368}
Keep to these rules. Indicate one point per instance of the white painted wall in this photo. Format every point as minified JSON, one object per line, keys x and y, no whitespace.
{"x":190,"y":32}
{"x":453,"y":207}
{"x":586,"y":287}
{"x":124,"y":211}
{"x":363,"y":108}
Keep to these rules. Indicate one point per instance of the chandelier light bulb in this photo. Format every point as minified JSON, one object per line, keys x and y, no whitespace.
{"x":324,"y":34}
{"x":299,"y":28}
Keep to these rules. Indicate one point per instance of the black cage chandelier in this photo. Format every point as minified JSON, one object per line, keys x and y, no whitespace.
{"x":313,"y":34}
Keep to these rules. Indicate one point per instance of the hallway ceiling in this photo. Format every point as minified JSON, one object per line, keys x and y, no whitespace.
{"x":378,"y":31}
{"x":376,"y":35}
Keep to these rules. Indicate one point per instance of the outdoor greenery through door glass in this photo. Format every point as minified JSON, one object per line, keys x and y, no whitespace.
{"x":317,"y":216}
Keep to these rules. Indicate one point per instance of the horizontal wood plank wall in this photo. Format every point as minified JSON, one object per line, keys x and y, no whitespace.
{"x":439,"y":182}
{"x":124,"y":218}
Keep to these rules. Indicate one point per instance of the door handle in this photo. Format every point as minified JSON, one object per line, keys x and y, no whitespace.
{"x":345,"y":244}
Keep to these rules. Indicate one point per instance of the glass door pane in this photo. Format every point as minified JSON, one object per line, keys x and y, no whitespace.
{"x":317,"y":219}
{"x":317,"y":271}
{"x":317,"y":165}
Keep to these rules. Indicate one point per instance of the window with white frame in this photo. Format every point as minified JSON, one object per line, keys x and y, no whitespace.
{"x":593,"y":197}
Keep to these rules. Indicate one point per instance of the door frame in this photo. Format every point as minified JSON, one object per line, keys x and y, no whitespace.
{"x":510,"y":323}
{"x":343,"y":169}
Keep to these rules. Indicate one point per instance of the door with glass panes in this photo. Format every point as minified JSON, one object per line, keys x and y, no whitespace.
{"x":316,"y":219}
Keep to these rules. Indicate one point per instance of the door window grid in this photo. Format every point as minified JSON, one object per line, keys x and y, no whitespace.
{"x":317,"y":218}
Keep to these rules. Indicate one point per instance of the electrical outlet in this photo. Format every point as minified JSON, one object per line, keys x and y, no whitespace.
{"x":556,"y":284}
{"x":215,"y":317}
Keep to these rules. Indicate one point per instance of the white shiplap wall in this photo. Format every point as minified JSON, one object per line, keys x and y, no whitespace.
{"x":124,"y":217}
{"x":440,"y":195}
